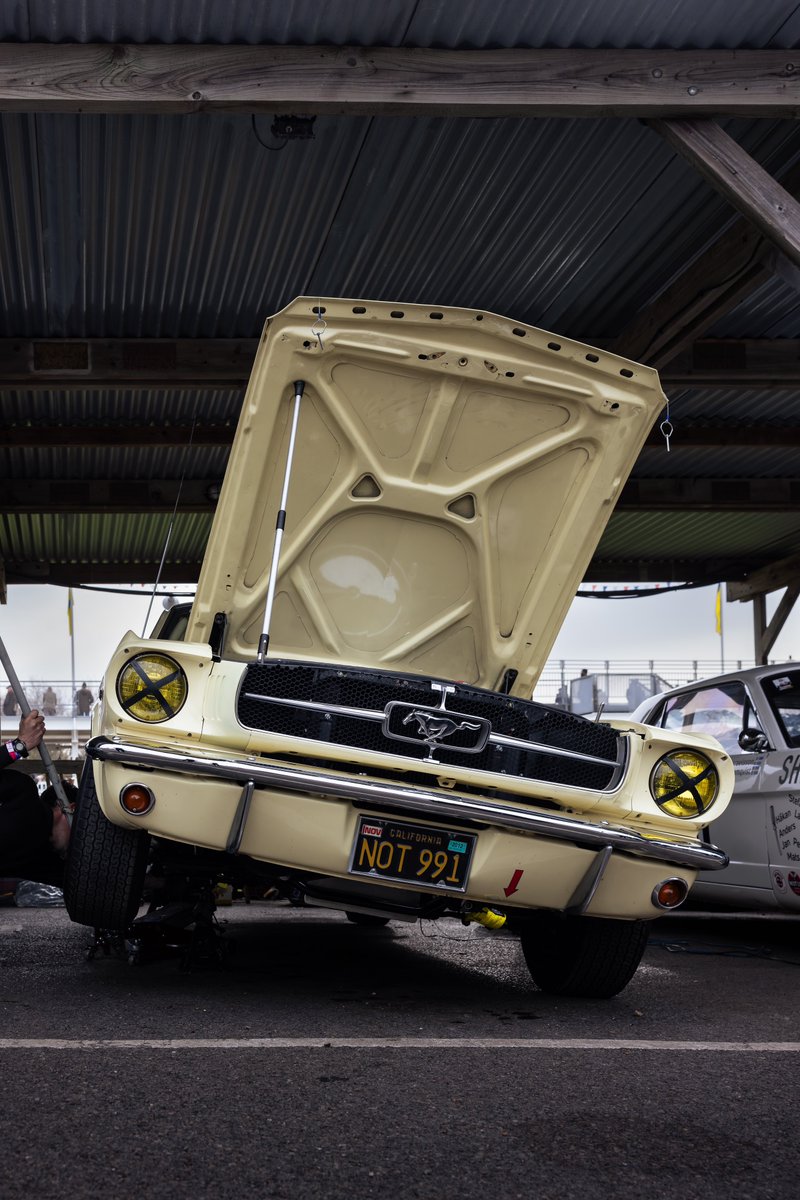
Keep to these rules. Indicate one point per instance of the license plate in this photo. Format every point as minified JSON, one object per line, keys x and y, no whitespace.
{"x":392,"y":849}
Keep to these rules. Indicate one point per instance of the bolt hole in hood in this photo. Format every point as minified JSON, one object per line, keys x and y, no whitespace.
{"x":452,"y":474}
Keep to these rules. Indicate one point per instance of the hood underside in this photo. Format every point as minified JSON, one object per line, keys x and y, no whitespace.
{"x":452,"y":474}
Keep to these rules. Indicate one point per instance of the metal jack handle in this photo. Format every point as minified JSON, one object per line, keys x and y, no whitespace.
{"x":280,"y":523}
{"x":52,"y":773}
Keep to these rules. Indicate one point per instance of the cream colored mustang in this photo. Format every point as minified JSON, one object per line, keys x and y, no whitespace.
{"x":411,"y":501}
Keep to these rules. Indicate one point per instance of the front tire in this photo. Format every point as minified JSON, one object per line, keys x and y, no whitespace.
{"x":591,"y":957}
{"x":105,"y":865}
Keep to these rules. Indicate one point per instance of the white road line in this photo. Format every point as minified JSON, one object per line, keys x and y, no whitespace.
{"x":388,"y":1043}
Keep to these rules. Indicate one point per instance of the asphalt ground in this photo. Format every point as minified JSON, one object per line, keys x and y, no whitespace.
{"x":326,"y":1060}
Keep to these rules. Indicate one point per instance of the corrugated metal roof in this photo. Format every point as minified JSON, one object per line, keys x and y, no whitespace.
{"x":772,"y":311}
{"x":188,"y":227}
{"x":135,"y":463}
{"x":131,"y":405}
{"x":726,"y":462}
{"x":467,"y":24}
{"x":97,"y":538}
{"x":200,"y":226}
{"x":685,"y":535}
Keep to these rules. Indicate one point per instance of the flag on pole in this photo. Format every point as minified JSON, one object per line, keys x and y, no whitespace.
{"x":69,"y":611}
{"x":718,"y":609}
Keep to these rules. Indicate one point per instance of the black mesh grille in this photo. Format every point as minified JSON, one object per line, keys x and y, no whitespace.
{"x":353,"y":687}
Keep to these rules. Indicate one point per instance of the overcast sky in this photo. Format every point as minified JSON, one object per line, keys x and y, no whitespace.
{"x":34,"y":628}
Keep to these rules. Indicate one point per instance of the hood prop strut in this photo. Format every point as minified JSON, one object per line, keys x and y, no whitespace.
{"x":280,"y":523}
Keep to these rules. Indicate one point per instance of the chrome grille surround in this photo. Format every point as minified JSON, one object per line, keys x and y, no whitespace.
{"x":354,"y":707}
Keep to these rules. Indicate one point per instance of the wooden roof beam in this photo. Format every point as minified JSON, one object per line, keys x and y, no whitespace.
{"x":710,"y":495}
{"x":601,"y":570}
{"x":785,"y":572}
{"x":42,"y":364}
{"x":664,"y":569}
{"x":332,"y":80}
{"x":146,"y":364}
{"x":735,"y":363}
{"x":37,"y":435}
{"x":200,"y":495}
{"x":110,"y":495}
{"x":68,"y":574}
{"x":686,"y":436}
{"x":712,"y":285}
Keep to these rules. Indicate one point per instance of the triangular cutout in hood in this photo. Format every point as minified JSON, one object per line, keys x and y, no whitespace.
{"x":453,"y":472}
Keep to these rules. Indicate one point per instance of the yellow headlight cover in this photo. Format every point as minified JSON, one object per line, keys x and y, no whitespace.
{"x":684,"y":783}
{"x":152,"y":687}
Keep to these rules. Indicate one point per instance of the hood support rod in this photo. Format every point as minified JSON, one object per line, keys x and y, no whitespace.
{"x":280,"y":523}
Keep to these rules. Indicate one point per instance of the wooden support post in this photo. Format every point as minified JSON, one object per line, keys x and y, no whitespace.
{"x":769,"y":632}
{"x":759,"y":628}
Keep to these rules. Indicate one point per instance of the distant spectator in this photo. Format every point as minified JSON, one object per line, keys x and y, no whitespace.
{"x":83,"y":700}
{"x":636,"y":693}
{"x":49,"y":702}
{"x":562,"y":697}
{"x":10,"y":703}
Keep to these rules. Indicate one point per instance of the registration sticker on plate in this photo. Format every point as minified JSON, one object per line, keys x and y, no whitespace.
{"x":393,"y":849}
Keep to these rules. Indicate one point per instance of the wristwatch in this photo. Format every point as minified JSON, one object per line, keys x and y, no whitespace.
{"x":19,"y":747}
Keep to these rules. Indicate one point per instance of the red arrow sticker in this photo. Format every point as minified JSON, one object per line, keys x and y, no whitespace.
{"x":512,"y":887}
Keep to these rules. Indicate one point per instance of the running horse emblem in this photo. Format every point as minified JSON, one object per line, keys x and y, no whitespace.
{"x":434,"y":728}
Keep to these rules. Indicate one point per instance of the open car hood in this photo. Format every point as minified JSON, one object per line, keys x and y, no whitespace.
{"x":452,"y":474}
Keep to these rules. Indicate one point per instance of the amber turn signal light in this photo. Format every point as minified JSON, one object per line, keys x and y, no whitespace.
{"x":136,"y":799}
{"x":671,"y":893}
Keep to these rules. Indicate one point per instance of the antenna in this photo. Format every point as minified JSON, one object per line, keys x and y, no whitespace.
{"x":171,"y":525}
{"x":280,"y":523}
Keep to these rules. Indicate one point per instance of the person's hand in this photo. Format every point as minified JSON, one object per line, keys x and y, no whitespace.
{"x":31,"y":728}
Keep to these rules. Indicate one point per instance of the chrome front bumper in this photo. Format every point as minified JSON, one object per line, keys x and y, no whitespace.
{"x":412,"y":799}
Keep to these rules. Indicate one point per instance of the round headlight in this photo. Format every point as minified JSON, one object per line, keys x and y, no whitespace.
{"x":684,"y":783}
{"x":152,"y":687}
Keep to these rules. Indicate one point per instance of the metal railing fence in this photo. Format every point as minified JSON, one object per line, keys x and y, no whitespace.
{"x":557,"y":674}
{"x":560,"y":676}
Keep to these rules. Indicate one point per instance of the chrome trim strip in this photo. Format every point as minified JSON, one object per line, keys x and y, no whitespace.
{"x":412,"y":799}
{"x":501,"y":739}
{"x":341,"y":710}
{"x":369,"y":714}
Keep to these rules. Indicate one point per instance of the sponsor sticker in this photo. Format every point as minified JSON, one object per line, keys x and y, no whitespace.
{"x":780,"y":882}
{"x":794,"y":882}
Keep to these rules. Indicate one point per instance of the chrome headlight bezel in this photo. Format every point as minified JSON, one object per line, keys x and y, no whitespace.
{"x":162,"y":692}
{"x":696,"y":783}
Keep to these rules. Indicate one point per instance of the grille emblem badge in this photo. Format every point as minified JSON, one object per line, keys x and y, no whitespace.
{"x":433,"y":727}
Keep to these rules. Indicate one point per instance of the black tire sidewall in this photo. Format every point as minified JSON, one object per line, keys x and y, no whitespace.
{"x":106,"y":864}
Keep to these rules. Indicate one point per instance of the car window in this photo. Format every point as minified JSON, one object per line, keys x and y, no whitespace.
{"x":782,"y":691}
{"x":723,"y":711}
